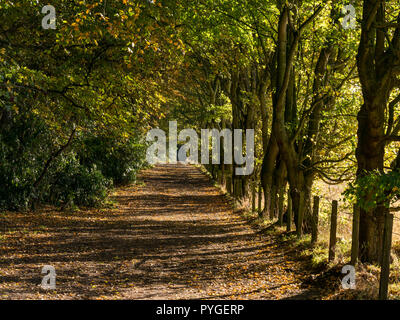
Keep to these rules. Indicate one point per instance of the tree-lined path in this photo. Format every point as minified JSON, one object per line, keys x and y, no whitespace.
{"x":174,"y":236}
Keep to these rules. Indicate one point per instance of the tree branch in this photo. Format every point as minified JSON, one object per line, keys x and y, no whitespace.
{"x":53,"y":156}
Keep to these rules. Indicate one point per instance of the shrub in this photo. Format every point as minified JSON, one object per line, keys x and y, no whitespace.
{"x":24,"y":145}
{"x":117,"y":161}
{"x":76,"y":184}
{"x":81,"y":175}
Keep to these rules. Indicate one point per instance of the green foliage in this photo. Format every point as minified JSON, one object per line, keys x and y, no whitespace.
{"x":75,"y":184}
{"x":81,"y":176}
{"x":117,"y":161}
{"x":96,"y":76}
{"x":24,"y":143}
{"x":374,"y":189}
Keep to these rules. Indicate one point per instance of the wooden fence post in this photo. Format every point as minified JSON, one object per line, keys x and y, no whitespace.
{"x":332,"y":238}
{"x":355,"y":234}
{"x":385,"y":263}
{"x":300,"y":216}
{"x":315,"y":218}
{"x":289,"y":212}
{"x":259,"y":198}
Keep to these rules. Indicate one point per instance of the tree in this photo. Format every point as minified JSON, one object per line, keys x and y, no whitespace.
{"x":378,"y":62}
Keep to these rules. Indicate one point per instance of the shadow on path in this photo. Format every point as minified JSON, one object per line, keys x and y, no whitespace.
{"x":174,"y":237}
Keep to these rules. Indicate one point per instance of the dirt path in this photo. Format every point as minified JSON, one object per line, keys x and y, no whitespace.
{"x":173,"y":237}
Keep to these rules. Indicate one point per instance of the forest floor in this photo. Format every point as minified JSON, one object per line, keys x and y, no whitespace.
{"x":172,"y":236}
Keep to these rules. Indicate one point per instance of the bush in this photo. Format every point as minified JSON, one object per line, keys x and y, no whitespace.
{"x":75,"y":184}
{"x":81,"y":175}
{"x":117,"y":161}
{"x":24,"y":145}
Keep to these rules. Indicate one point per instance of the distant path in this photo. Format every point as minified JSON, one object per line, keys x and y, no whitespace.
{"x":173,"y":237}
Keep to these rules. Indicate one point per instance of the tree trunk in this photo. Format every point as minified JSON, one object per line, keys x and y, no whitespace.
{"x":370,"y":157}
{"x":376,"y":59}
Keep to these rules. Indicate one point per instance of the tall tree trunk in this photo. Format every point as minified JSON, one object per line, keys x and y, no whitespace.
{"x":370,"y":157}
{"x":376,"y":60}
{"x":272,"y":152}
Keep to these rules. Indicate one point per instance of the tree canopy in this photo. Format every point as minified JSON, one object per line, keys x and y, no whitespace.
{"x":321,"y":96}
